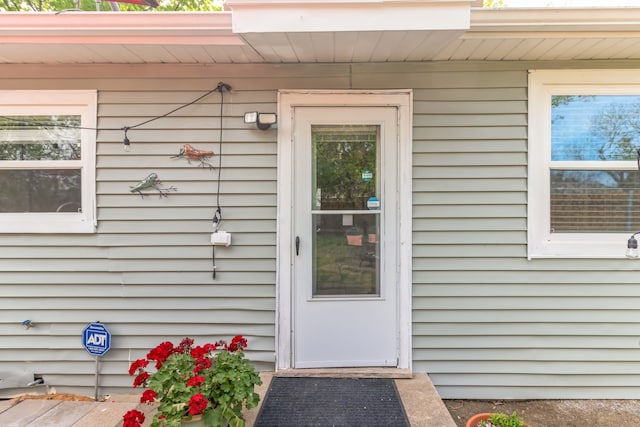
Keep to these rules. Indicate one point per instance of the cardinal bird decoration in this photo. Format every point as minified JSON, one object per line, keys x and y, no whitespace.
{"x":190,"y":153}
{"x":152,"y":181}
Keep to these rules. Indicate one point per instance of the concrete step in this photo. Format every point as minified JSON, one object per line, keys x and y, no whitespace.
{"x":420,"y":399}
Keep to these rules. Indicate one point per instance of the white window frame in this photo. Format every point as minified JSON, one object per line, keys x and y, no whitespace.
{"x":543,"y":84}
{"x":56,"y":102}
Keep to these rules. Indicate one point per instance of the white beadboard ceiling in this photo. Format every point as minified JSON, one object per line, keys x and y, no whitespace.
{"x":205,"y":38}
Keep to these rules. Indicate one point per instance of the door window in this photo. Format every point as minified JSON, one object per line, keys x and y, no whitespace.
{"x":346,"y":218}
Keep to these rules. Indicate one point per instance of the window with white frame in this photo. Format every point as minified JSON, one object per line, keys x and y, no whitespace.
{"x":584,"y":183}
{"x":47,"y":161}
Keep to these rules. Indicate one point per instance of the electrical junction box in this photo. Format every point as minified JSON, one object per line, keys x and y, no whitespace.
{"x":221,"y":238}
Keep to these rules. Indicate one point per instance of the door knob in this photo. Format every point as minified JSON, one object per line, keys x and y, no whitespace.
{"x":297,"y":245}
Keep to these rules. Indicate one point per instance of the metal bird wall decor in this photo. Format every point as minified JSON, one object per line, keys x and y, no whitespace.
{"x":190,"y":153}
{"x":152,"y":181}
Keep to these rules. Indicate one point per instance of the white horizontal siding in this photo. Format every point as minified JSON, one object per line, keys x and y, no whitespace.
{"x":147,"y":272}
{"x":488,"y":323}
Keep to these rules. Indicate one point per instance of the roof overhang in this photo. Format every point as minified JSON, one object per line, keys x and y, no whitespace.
{"x":313,"y":31}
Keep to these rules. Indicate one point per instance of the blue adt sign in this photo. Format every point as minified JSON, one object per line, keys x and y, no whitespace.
{"x":96,"y":339}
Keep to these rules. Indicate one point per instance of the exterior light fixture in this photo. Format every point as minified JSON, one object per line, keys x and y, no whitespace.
{"x":262,"y":120}
{"x":126,"y":143}
{"x":632,"y":247}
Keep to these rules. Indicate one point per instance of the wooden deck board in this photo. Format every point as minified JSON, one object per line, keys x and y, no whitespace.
{"x":25,"y":412}
{"x":5,"y":405}
{"x":105,"y":414}
{"x":64,"y":414}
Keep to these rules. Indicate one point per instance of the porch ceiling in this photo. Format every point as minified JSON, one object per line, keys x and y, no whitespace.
{"x":205,"y":38}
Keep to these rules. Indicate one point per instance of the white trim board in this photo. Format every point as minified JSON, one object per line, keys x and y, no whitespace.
{"x":287,"y":101}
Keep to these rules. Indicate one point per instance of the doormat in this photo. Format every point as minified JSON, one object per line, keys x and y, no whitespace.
{"x":334,"y":402}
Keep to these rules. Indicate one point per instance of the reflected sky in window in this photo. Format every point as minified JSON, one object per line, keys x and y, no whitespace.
{"x":595,"y":127}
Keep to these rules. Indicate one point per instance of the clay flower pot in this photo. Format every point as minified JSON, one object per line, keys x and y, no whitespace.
{"x":195,"y":421}
{"x":475,"y":419}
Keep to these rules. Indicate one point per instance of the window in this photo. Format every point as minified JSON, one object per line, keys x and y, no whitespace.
{"x":47,"y":161}
{"x":584,"y":184}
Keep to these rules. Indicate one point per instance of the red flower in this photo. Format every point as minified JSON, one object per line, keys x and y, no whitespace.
{"x":199,"y":352}
{"x":160,"y":353}
{"x":197,"y":404}
{"x":148,"y":396}
{"x":133,"y":418}
{"x":237,"y":343}
{"x":185,"y":345}
{"x":138,"y":364}
{"x":196,"y":381}
{"x":141,"y":379}
{"x":201,"y":364}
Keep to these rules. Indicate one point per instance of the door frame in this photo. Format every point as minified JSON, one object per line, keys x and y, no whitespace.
{"x":288,"y":100}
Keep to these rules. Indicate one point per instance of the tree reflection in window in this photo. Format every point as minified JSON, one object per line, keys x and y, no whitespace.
{"x":597,"y":197}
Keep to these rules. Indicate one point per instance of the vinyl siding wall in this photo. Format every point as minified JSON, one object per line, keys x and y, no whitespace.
{"x":488,"y":323}
{"x":147,"y":272}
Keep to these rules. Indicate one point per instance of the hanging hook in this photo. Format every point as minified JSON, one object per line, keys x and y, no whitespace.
{"x":222,"y":86}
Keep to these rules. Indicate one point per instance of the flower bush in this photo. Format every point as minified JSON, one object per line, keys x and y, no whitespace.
{"x":500,"y":419}
{"x":213,"y":380}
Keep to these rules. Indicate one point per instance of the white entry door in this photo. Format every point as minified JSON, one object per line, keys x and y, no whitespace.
{"x":345,"y":230}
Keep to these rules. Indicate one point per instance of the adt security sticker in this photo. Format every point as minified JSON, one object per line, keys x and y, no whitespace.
{"x":367,"y":175}
{"x":373,"y":203}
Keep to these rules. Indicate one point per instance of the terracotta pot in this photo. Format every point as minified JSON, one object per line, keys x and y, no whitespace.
{"x":354,"y":240}
{"x":475,"y":419}
{"x":196,"y":421}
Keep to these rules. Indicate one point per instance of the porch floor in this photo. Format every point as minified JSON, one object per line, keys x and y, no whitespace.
{"x":419,"y":397}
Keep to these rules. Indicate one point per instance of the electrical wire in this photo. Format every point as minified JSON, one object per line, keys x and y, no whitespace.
{"x":221,"y":87}
{"x":217,"y":216}
{"x":220,"y":147}
{"x":124,"y":128}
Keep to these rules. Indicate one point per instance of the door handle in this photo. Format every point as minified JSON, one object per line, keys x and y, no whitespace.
{"x":297,"y":245}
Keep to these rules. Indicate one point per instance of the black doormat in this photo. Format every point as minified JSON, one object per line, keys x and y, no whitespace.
{"x":335,"y":402}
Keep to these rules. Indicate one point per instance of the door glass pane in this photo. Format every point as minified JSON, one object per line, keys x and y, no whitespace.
{"x":344,"y":162}
{"x":346,"y":247}
{"x":346,"y":254}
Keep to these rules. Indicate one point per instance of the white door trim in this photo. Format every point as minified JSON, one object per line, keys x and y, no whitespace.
{"x":287,"y":101}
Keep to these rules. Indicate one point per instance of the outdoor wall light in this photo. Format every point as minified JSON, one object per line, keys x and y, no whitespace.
{"x":126,"y":143}
{"x":262,"y":120}
{"x":632,"y":247}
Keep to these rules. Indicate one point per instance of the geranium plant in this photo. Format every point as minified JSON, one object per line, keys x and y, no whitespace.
{"x":212,"y":380}
{"x":500,"y":419}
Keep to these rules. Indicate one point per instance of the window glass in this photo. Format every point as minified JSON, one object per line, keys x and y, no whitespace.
{"x":47,"y":161}
{"x":40,"y":138}
{"x":346,"y":258}
{"x":595,"y":127}
{"x":44,"y":190}
{"x":345,"y":160}
{"x":594,"y":201}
